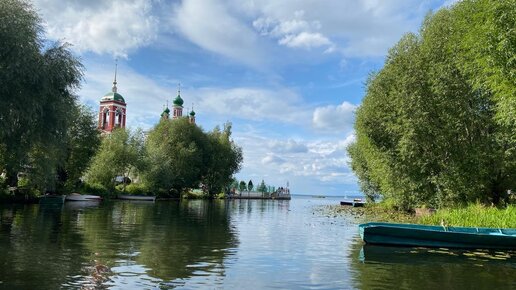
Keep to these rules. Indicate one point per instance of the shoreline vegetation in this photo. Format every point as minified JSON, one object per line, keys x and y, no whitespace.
{"x":473,"y":215}
{"x":436,"y":127}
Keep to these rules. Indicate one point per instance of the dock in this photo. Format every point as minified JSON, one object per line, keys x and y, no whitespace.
{"x":259,"y":195}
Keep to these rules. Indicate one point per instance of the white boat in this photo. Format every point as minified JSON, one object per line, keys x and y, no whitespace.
{"x":82,"y":197}
{"x":137,"y":197}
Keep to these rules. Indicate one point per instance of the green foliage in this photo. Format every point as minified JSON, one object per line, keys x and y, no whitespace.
{"x":121,"y":153}
{"x":176,"y":156}
{"x":250,"y":185}
{"x":427,"y":133}
{"x":474,"y":215}
{"x":181,"y":156}
{"x":262,"y":187}
{"x":224,"y":159}
{"x":136,"y":189}
{"x":242,"y":186}
{"x":93,"y":188}
{"x":23,"y":182}
{"x":36,"y":84}
{"x":83,"y":140}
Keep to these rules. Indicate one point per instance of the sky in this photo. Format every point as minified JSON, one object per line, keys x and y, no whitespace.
{"x":287,"y":74}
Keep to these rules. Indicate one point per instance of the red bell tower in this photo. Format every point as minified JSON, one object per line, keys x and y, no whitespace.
{"x":112,"y":113}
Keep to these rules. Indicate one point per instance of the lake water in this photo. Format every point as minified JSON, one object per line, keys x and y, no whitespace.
{"x":240,"y":244}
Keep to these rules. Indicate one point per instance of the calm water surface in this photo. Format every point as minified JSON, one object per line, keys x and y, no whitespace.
{"x":221,"y":244}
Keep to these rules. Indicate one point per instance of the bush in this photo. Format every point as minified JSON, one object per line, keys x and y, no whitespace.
{"x":23,"y":182}
{"x":136,"y":189}
{"x":93,"y":188}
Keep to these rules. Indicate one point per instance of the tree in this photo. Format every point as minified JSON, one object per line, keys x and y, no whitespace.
{"x":250,"y":185}
{"x":262,"y":187}
{"x":177,"y":156}
{"x":82,"y":142}
{"x":224,"y":160}
{"x":426,"y":133}
{"x":36,"y":84}
{"x":242,"y":186}
{"x":120,"y":155}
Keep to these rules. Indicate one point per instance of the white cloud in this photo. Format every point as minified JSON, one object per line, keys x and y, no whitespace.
{"x":293,"y":33}
{"x":272,"y":159}
{"x":251,"y":103}
{"x":305,"y":40}
{"x":211,"y":25}
{"x":335,"y":118}
{"x":145,"y":97}
{"x":114,"y":27}
{"x":319,"y":168}
{"x":289,"y":146}
{"x":354,"y":28}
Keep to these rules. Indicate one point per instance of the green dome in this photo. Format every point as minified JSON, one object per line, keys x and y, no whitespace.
{"x":192,"y":113}
{"x":111,"y":96}
{"x":178,"y":101}
{"x":166,"y":110}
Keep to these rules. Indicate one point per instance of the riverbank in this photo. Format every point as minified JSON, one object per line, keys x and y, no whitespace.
{"x":475,"y":215}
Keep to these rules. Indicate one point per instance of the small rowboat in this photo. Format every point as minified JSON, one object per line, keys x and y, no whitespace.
{"x":437,"y":236}
{"x":354,"y":203}
{"x":82,"y":197}
{"x":137,"y":197}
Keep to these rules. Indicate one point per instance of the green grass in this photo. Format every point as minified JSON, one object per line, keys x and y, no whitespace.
{"x":475,"y":215}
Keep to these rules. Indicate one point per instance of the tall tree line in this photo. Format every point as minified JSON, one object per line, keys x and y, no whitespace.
{"x":437,"y":126}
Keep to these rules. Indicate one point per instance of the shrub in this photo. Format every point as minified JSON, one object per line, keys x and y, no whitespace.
{"x":136,"y":189}
{"x":94,"y":188}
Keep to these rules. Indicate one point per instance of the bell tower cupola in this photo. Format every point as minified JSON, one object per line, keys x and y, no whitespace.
{"x":112,"y":112}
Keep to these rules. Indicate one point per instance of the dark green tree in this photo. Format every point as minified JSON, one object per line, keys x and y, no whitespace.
{"x":242,"y":186}
{"x":36,"y":87}
{"x":250,"y":185}
{"x":82,"y":142}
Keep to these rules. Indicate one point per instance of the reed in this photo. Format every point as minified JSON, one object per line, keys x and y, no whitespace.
{"x":474,"y":215}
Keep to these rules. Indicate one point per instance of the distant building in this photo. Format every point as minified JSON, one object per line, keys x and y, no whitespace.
{"x":177,"y":110}
{"x":112,"y":111}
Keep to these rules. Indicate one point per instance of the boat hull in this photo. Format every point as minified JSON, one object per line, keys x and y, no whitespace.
{"x":137,"y":197}
{"x":353,"y":203}
{"x":83,"y":197}
{"x":437,"y":236}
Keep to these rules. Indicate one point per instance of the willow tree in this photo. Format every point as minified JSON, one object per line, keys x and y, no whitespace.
{"x":427,"y":134}
{"x":37,"y":82}
{"x":177,"y":156}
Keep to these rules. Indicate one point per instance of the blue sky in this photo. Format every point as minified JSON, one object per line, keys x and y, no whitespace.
{"x":288,"y":74}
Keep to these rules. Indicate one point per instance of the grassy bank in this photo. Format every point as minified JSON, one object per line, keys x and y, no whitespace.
{"x":475,"y":215}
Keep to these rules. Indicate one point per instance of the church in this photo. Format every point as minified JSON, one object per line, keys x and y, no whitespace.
{"x":113,"y":110}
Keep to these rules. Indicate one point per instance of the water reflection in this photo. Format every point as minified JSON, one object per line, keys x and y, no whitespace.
{"x":426,"y":268}
{"x":236,"y":244}
{"x":123,"y":243}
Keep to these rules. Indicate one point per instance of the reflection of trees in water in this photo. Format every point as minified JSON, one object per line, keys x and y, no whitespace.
{"x":47,"y":248}
{"x":38,"y":248}
{"x":189,"y":237}
{"x":377,"y":267}
{"x":245,"y":207}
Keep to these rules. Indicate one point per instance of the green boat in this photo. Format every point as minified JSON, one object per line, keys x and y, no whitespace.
{"x":437,"y":236}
